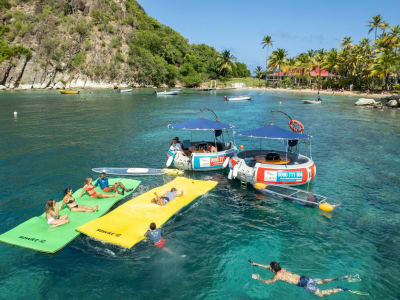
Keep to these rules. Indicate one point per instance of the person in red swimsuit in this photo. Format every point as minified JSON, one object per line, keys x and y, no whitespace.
{"x":89,"y":188}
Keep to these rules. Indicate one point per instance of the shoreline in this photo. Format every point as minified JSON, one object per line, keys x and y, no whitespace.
{"x":110,"y":87}
{"x":322,"y":92}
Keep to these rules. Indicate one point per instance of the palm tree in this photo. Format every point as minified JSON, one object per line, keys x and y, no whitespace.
{"x":225,"y":62}
{"x":383,"y":26}
{"x":375,"y":23}
{"x":266,"y":42}
{"x":259,"y":73}
{"x":277,"y":59}
{"x":383,"y":66}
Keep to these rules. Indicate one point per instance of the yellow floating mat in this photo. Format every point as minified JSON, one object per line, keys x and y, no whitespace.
{"x":126,"y":225}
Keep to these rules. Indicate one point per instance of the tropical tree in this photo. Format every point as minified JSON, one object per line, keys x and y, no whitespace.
{"x":277,"y":59}
{"x":267,"y":42}
{"x":374,"y":24}
{"x":259,"y":73}
{"x":225,"y":62}
{"x":383,"y":66}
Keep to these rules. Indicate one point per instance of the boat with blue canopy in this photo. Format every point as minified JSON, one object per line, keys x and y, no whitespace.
{"x":284,"y":167}
{"x":202,"y":155}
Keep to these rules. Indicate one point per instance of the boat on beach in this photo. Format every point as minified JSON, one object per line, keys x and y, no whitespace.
{"x":284,"y":167}
{"x":298,"y":196}
{"x":237,"y":98}
{"x":69,"y":92}
{"x":167,"y":93}
{"x":196,"y":155}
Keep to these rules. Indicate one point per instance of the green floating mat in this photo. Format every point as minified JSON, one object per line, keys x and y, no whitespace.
{"x":36,"y":234}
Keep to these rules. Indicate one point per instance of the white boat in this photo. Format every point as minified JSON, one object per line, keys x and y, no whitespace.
{"x":237,"y":98}
{"x":312,"y":101}
{"x":167,"y":93}
{"x":125,"y":90}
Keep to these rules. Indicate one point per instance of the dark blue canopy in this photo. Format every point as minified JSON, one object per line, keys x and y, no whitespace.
{"x":200,"y":124}
{"x":273,"y":132}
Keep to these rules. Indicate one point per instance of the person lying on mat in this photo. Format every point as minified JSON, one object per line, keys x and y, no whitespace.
{"x":70,"y":202}
{"x":155,"y":235}
{"x":310,"y":284}
{"x":89,"y":188}
{"x":167,"y":197}
{"x":53,"y":214}
{"x":103,"y":182}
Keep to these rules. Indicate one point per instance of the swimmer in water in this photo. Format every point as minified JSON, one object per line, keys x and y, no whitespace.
{"x":310,"y":284}
{"x":155,"y":235}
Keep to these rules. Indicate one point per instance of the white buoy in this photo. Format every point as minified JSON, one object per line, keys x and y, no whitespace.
{"x":15,"y":114}
{"x":280,"y":102}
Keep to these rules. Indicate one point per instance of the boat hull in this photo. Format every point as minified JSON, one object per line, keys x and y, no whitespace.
{"x":311,"y":102}
{"x":66,"y":92}
{"x":243,"y":98}
{"x":201,"y":161}
{"x":299,"y":172}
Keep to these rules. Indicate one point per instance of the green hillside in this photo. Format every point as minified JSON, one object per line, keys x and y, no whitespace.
{"x":76,"y":43}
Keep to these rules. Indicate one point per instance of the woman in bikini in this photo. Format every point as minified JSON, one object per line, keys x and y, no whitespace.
{"x":89,"y":188}
{"x":72,"y":205}
{"x":52,"y":214}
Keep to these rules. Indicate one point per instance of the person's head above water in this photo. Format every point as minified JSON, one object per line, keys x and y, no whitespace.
{"x":275,"y":267}
{"x":103,"y":175}
{"x":153,"y":226}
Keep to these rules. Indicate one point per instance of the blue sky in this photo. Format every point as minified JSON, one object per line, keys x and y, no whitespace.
{"x":293,"y":25}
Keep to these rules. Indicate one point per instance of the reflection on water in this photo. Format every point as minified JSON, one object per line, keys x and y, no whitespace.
{"x":56,"y":140}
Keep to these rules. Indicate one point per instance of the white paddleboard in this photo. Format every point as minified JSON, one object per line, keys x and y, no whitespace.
{"x":137,"y":171}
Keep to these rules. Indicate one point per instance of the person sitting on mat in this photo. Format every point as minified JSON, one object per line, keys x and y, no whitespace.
{"x":70,"y":202}
{"x":53,"y":214}
{"x":310,"y":284}
{"x":155,"y":235}
{"x":167,"y":197}
{"x":103,"y":182}
{"x":89,"y":188}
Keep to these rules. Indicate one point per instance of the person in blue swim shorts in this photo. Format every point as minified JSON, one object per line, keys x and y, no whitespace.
{"x":310,"y":284}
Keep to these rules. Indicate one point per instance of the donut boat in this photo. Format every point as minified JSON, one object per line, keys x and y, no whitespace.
{"x":196,"y":155}
{"x":269,"y":166}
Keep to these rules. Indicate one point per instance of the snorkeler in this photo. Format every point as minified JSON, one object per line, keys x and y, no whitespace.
{"x":310,"y":284}
{"x":155,"y":235}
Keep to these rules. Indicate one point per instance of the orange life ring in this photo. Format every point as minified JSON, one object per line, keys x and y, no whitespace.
{"x":292,"y":126}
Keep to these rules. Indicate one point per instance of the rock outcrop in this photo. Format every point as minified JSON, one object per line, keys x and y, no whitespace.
{"x":366,"y":102}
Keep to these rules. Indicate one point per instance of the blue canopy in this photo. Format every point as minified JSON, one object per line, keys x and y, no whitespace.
{"x":273,"y":132}
{"x":200,"y":124}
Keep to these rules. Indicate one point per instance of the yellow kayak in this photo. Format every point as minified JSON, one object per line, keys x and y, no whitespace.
{"x":69,"y":92}
{"x":126,"y":225}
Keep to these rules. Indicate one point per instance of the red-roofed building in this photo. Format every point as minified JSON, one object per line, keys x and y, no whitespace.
{"x":280,"y":76}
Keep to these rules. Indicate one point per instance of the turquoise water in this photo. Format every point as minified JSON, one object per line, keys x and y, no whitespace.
{"x":56,"y":140}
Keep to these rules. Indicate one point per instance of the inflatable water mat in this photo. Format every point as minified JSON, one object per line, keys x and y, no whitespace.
{"x":36,"y":234}
{"x":126,"y":225}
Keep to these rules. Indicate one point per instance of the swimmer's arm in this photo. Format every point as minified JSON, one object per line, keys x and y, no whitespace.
{"x":262,"y":266}
{"x":257,"y":277}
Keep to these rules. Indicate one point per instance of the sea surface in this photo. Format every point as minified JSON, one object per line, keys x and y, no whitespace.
{"x":56,"y":139}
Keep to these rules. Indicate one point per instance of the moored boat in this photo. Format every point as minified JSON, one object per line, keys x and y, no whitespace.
{"x":126,"y":90}
{"x":287,"y":167}
{"x":167,"y":93}
{"x":237,"y":98}
{"x":202,"y":155}
{"x":69,"y":92}
{"x":312,"y":101}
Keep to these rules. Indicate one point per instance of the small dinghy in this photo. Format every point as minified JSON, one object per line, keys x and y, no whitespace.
{"x":137,"y":171}
{"x":69,"y":92}
{"x":237,"y":98}
{"x":312,"y":101}
{"x":298,"y":196}
{"x":126,"y":91}
{"x":167,"y":93}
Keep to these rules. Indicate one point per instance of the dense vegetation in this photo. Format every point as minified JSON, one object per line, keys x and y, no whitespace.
{"x":108,"y":40}
{"x":366,"y":65}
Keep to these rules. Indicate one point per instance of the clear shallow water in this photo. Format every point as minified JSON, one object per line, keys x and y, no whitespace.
{"x":57,"y":139}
